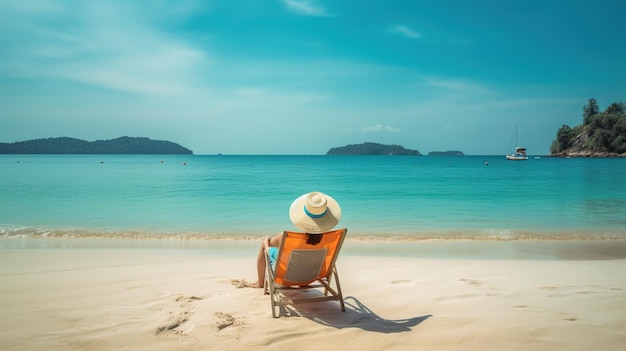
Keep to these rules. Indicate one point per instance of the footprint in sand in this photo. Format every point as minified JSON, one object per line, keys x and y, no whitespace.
{"x":187,"y":298}
{"x":173,"y":324}
{"x":471,"y":282}
{"x":225,"y":320}
{"x":240,"y":283}
{"x":181,"y":316}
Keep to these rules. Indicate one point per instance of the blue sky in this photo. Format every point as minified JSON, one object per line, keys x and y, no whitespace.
{"x":302,"y":76}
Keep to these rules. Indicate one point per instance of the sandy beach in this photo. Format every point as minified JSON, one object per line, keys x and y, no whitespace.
{"x":125,"y":298}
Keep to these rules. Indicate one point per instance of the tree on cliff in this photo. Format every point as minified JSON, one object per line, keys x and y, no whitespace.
{"x":600,"y":134}
{"x":590,"y":110}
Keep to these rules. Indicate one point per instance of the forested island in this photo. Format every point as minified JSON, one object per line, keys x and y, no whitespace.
{"x":65,"y":145}
{"x":446,"y":153}
{"x":372,"y":149}
{"x":602,"y":134}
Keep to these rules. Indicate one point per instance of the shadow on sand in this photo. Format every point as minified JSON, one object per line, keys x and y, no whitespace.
{"x":357,"y":315}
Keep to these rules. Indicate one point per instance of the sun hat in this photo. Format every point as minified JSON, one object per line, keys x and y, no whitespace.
{"x":315,"y":212}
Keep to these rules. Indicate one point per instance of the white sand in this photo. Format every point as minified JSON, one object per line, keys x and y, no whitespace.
{"x":159,"y":299}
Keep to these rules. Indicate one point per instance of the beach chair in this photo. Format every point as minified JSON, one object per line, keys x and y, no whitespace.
{"x":302,"y":265}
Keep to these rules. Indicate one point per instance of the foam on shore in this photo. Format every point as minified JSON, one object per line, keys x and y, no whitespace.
{"x":393,"y":236}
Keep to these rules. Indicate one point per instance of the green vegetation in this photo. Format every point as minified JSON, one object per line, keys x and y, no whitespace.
{"x":64,"y":145}
{"x":600,"y":134}
{"x":371,"y":149}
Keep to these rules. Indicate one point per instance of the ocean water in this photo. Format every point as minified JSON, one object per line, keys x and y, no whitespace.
{"x":382,"y":197}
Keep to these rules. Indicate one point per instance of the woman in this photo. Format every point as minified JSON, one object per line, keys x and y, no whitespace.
{"x":312,"y":213}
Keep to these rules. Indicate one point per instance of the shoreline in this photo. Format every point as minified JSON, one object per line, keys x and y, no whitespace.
{"x":400,"y":235}
{"x":611,"y":249}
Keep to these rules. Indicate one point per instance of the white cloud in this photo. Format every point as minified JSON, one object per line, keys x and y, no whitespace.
{"x":306,"y":7}
{"x":455,"y":85}
{"x":379,"y":128}
{"x":406,"y":31}
{"x":114,"y":45}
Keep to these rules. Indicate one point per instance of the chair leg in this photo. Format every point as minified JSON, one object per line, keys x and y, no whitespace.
{"x":269,"y":288}
{"x":268,"y":274}
{"x":339,"y":293}
{"x":275,"y":314}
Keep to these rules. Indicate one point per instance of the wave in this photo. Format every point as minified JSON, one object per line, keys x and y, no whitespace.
{"x":404,"y":236}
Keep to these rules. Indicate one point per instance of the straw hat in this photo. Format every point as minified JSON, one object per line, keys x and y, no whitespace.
{"x":315,"y":212}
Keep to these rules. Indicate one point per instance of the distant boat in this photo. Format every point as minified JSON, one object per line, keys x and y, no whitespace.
{"x":520,"y":152}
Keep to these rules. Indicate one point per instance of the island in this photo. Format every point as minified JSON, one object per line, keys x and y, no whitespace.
{"x":122,"y":145}
{"x":602,"y":134}
{"x":369,"y":148}
{"x":446,"y":153}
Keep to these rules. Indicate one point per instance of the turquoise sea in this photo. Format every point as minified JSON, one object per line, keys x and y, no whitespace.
{"x":382,"y":197}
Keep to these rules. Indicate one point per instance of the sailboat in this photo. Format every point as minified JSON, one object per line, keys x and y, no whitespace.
{"x":520,"y":152}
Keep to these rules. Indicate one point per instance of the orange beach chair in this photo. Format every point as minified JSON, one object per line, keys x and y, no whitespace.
{"x":299,"y":264}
